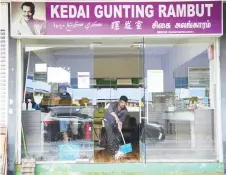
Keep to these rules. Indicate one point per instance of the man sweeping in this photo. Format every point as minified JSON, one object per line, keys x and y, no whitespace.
{"x":113,"y":121}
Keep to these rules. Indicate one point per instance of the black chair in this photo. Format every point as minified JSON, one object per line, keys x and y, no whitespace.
{"x":130,"y":129}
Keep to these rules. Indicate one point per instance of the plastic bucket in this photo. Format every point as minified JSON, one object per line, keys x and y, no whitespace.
{"x":69,"y":151}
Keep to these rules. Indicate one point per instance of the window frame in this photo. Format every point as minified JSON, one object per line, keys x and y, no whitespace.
{"x":19,"y":97}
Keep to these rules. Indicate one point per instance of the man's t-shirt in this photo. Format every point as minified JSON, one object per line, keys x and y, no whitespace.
{"x":31,"y":27}
{"x":114,"y":108}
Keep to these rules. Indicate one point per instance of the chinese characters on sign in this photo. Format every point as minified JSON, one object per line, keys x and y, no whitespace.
{"x":127,"y":25}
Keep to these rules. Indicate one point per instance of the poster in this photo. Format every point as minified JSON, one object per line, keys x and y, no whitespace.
{"x":41,"y":67}
{"x":115,"y":18}
{"x":63,"y":75}
{"x":83,"y":80}
{"x":155,"y":81}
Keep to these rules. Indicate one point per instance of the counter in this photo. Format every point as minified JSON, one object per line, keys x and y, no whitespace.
{"x":201,"y":123}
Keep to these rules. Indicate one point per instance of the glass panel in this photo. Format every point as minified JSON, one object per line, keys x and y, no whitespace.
{"x":58,"y":108}
{"x":179,"y":98}
{"x":67,"y":93}
{"x":118,"y":69}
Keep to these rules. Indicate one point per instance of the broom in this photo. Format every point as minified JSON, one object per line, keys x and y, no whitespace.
{"x":24,"y":142}
{"x":126,"y":148}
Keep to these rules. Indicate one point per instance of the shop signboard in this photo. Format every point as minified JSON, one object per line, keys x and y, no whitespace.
{"x":40,"y":19}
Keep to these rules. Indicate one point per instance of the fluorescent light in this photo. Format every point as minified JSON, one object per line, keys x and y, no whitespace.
{"x":95,"y":44}
{"x":28,"y":49}
{"x":138,"y":44}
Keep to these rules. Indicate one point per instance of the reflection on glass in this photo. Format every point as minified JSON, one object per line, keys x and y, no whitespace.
{"x":170,"y":114}
{"x":63,"y":76}
{"x":182,"y":111}
{"x":119,"y":70}
{"x":63,"y":113}
{"x":57,"y":119}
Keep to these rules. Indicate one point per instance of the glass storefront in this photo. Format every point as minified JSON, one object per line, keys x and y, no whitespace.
{"x":179,"y":97}
{"x":68,"y":87}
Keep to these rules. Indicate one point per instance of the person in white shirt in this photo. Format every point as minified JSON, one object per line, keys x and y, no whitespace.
{"x":28,"y":25}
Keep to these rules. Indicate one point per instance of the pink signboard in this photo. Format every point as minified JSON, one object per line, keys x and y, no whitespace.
{"x":116,"y":18}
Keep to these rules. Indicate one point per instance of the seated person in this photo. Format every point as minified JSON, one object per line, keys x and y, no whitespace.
{"x":64,"y":96}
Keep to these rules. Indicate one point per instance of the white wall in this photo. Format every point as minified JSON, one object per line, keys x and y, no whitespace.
{"x":183,"y":53}
{"x":199,"y":61}
{"x":223,"y":83}
{"x":168,"y":74}
{"x":40,"y":57}
{"x":46,"y":56}
{"x":77,"y":64}
{"x":152,"y":62}
{"x":223,"y":78}
{"x":12,"y":106}
{"x":175,"y":63}
{"x":177,"y":57}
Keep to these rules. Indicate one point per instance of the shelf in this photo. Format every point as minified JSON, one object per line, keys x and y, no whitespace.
{"x":198,"y":77}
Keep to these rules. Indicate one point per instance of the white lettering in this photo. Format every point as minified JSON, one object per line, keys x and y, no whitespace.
{"x":64,"y":10}
{"x":81,"y":12}
{"x":185,"y":10}
{"x":200,"y":12}
{"x":72,"y":11}
{"x":107,"y":12}
{"x":191,"y":10}
{"x":98,"y":11}
{"x":87,"y":11}
{"x":133,"y":10}
{"x":208,"y":6}
{"x":171,"y":11}
{"x":181,"y":10}
{"x":139,"y":11}
{"x":54,"y":11}
{"x":149,"y":12}
{"x":126,"y":7}
{"x":162,"y":11}
{"x":118,"y":11}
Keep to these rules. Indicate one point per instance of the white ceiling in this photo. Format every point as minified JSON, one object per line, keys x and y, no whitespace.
{"x":114,"y":46}
{"x":110,"y":51}
{"x":113,"y":41}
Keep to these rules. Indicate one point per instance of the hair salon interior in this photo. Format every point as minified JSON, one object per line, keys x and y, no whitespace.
{"x":176,"y":103}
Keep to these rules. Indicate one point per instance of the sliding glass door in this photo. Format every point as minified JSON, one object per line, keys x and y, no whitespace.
{"x":179,"y":96}
{"x":67,"y":91}
{"x":118,"y":70}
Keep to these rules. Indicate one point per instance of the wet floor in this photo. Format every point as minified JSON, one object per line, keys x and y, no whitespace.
{"x":102,"y":156}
